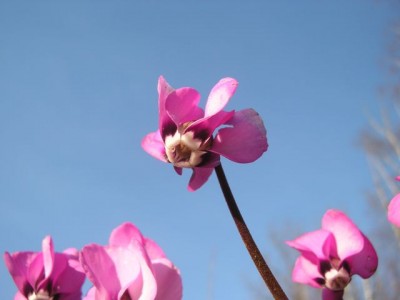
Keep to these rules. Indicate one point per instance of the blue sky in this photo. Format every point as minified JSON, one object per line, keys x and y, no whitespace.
{"x":78,"y":93}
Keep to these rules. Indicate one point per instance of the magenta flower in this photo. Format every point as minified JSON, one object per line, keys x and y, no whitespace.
{"x":131,"y":267}
{"x":185,"y":132}
{"x":331,"y":255}
{"x":394,"y":209}
{"x":46,"y":275}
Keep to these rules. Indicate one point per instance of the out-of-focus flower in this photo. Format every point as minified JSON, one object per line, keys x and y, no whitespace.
{"x":331,"y":255}
{"x":131,"y":267}
{"x":46,"y":275}
{"x":185,"y":132}
{"x":394,"y":209}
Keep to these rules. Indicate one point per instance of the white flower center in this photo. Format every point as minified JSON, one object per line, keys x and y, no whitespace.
{"x":41,"y":295}
{"x":337,"y":280}
{"x":183,"y":150}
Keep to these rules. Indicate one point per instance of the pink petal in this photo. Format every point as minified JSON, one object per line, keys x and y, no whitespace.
{"x":182,"y":105}
{"x":71,"y":279}
{"x":154,"y":145}
{"x":48,"y":255}
{"x":306,"y":272}
{"x":153,"y":250}
{"x":394,"y":210}
{"x":365,"y":262}
{"x":169,"y":282}
{"x":100,"y":270}
{"x":18,"y":264}
{"x":246,"y":141}
{"x":19,"y":296}
{"x":164,"y":89}
{"x":397,"y":178}
{"x":349,"y":239}
{"x":220,"y":95}
{"x":91,"y":294}
{"x":199,"y":177}
{"x":204,"y":128}
{"x":125,"y":234}
{"x":328,"y":294}
{"x":315,"y":246}
{"x":178,"y":170}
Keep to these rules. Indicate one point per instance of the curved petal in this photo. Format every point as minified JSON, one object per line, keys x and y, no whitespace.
{"x":100,"y":270}
{"x":315,"y":246}
{"x":220,"y":95}
{"x":328,"y":294}
{"x":306,"y":272}
{"x":166,"y":125}
{"x":203,"y":128}
{"x":70,"y":281}
{"x":154,"y":145}
{"x":91,"y":294}
{"x":394,"y":210}
{"x":153,"y":250}
{"x":18,"y":265}
{"x":19,"y":296}
{"x":199,"y":177}
{"x":125,"y":234}
{"x":182,"y":105}
{"x":246,"y":141}
{"x":48,"y":256}
{"x":349,"y":239}
{"x":365,"y":262}
{"x":169,"y":282}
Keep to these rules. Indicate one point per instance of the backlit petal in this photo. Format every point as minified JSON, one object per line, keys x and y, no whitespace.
{"x":154,"y":145}
{"x":246,"y":141}
{"x":349,"y":239}
{"x":394,"y":210}
{"x":182,"y":105}
{"x":306,"y":272}
{"x":203,"y":128}
{"x":199,"y":177}
{"x":124,"y":235}
{"x":100,"y":270}
{"x":169,"y":282}
{"x":220,"y":95}
{"x":18,"y":265}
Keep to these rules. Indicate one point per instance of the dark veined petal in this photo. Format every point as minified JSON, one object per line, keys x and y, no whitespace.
{"x":245,"y":141}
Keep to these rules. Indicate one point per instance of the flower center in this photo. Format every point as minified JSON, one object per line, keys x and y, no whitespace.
{"x":41,"y":295}
{"x":337,"y":278}
{"x":185,"y":151}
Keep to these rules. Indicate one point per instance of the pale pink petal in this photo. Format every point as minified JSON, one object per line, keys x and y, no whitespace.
{"x":19,"y":296}
{"x":328,"y":294}
{"x":397,"y":178}
{"x":306,"y":272}
{"x":199,"y":177}
{"x":246,"y":141}
{"x":48,"y":255}
{"x":153,"y":250}
{"x":182,"y":105}
{"x":315,"y":246}
{"x":220,"y":95}
{"x":349,"y":239}
{"x":365,"y":262}
{"x":91,"y":294}
{"x":394,"y":210}
{"x":100,"y":270}
{"x":18,"y":265}
{"x":154,"y":145}
{"x":169,"y":282}
{"x":125,"y":234}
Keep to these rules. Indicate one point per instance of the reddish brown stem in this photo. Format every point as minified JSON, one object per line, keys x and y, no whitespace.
{"x":251,"y":246}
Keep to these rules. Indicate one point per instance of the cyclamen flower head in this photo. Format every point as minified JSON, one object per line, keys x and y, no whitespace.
{"x":185,"y":132}
{"x":394,"y":208}
{"x":46,"y":275}
{"x":332,"y":255}
{"x":131,"y":267}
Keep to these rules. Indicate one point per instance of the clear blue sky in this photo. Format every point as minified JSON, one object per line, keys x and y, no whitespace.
{"x":78,"y":92}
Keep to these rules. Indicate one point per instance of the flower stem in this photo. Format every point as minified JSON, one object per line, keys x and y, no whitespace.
{"x":251,"y":246}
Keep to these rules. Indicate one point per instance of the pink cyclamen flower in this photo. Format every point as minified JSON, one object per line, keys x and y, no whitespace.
{"x":131,"y":267}
{"x":331,"y":255}
{"x":185,"y":132}
{"x":46,"y":275}
{"x":394,"y":209}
